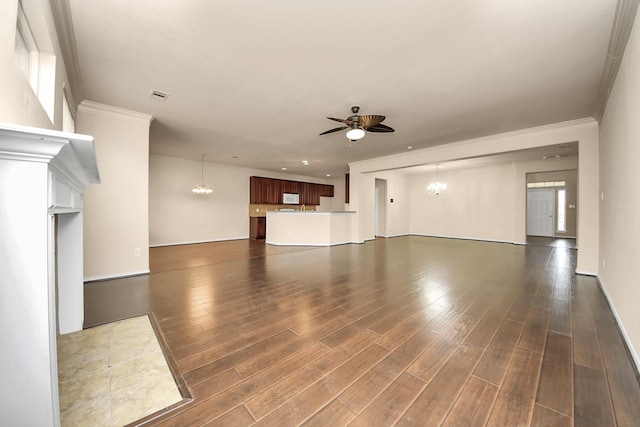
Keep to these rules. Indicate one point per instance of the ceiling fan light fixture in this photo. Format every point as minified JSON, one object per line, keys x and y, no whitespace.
{"x":355,"y":134}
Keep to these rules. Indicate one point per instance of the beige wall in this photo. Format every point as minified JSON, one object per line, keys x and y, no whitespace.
{"x":116,"y":212}
{"x":620,"y":187}
{"x":484,"y":203}
{"x":478,"y":204}
{"x":176,"y":215}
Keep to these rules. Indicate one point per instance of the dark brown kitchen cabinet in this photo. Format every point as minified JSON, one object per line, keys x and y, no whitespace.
{"x":268,"y":191}
{"x":326,"y":190}
{"x":290,"y":187}
{"x":255,"y":190}
{"x":257,"y":227}
{"x":310,"y":194}
{"x":346,"y":188}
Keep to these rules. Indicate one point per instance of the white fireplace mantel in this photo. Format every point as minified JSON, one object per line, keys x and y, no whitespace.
{"x":43,"y":174}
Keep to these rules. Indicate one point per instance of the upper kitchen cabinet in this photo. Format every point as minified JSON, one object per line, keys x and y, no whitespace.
{"x":268,"y":191}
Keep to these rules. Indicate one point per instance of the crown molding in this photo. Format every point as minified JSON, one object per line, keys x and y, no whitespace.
{"x":114,"y":112}
{"x":566,"y":131}
{"x":61,"y":12}
{"x":622,"y":24}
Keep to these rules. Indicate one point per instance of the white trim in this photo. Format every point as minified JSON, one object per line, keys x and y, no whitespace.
{"x":116,"y":276}
{"x":314,"y":245}
{"x":439,"y":236}
{"x":492,"y":144}
{"x":586,"y":273}
{"x":195,"y":242}
{"x":114,"y":112}
{"x":623,"y":331}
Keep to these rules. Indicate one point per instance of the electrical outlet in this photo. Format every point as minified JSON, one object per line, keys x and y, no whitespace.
{"x":136,"y":252}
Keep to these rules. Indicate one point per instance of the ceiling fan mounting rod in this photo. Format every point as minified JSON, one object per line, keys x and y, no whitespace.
{"x":355,"y":109}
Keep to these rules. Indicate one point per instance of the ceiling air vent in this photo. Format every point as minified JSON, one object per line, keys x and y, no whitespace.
{"x":159,"y":95}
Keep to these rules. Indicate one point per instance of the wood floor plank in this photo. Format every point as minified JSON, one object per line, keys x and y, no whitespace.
{"x":534,"y":334}
{"x":473,"y":406}
{"x":430,"y":362}
{"x":238,"y":416}
{"x":402,"y":332}
{"x":555,"y":389}
{"x":433,"y":404}
{"x":365,"y":389}
{"x":514,"y":405}
{"x":521,"y":306}
{"x":216,"y":384}
{"x":210,"y":369}
{"x":208,"y":408}
{"x":586,"y":347}
{"x":334,"y":414}
{"x":560,"y":321}
{"x":544,"y":417}
{"x":495,"y":362}
{"x":592,"y":400}
{"x":487,"y":327}
{"x":391,"y":404}
{"x":311,"y":400}
{"x":273,"y":397}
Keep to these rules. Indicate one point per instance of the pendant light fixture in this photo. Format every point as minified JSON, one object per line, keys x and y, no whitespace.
{"x":437,"y":188}
{"x":202,"y":188}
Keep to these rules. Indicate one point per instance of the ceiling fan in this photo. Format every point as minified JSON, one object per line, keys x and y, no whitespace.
{"x":358,"y":124}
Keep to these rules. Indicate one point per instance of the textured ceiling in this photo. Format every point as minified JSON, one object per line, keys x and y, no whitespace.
{"x":251,"y":82}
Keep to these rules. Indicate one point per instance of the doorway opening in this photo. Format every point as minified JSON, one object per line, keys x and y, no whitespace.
{"x":381,"y":208}
{"x":552,"y":204}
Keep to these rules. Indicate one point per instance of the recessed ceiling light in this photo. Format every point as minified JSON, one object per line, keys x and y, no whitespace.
{"x":305,"y":162}
{"x":328,"y":174}
{"x":284,"y":169}
{"x":409,"y":147}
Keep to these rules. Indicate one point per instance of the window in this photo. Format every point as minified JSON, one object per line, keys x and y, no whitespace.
{"x":562,"y":211}
{"x":38,"y":67}
{"x":26,"y":50}
{"x":546,"y":184}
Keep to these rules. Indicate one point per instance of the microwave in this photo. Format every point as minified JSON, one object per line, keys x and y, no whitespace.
{"x":290,"y":199}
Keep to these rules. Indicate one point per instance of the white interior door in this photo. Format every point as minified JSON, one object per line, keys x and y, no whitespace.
{"x":540,"y":211}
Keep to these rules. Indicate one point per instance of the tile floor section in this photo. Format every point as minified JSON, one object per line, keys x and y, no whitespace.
{"x":113,"y":375}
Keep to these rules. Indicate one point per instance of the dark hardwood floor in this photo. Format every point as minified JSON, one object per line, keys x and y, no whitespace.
{"x":404,"y":331}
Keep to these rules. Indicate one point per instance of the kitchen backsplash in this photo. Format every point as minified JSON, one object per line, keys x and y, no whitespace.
{"x":260,"y":210}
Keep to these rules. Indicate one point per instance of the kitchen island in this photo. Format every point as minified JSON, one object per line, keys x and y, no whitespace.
{"x":309,"y":228}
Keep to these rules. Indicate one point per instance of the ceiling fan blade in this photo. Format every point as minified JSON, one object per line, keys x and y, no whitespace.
{"x":335,"y":130}
{"x":339,"y":120}
{"x":371,"y":120}
{"x":379,"y":128}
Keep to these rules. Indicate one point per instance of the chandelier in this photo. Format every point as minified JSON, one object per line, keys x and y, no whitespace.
{"x":436,"y":188}
{"x":202,"y":188}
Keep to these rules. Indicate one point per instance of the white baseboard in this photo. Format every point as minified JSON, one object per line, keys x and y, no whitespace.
{"x":440,"y":236}
{"x":586,"y":273}
{"x":116,"y":276}
{"x":625,"y":336}
{"x":194,"y":242}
